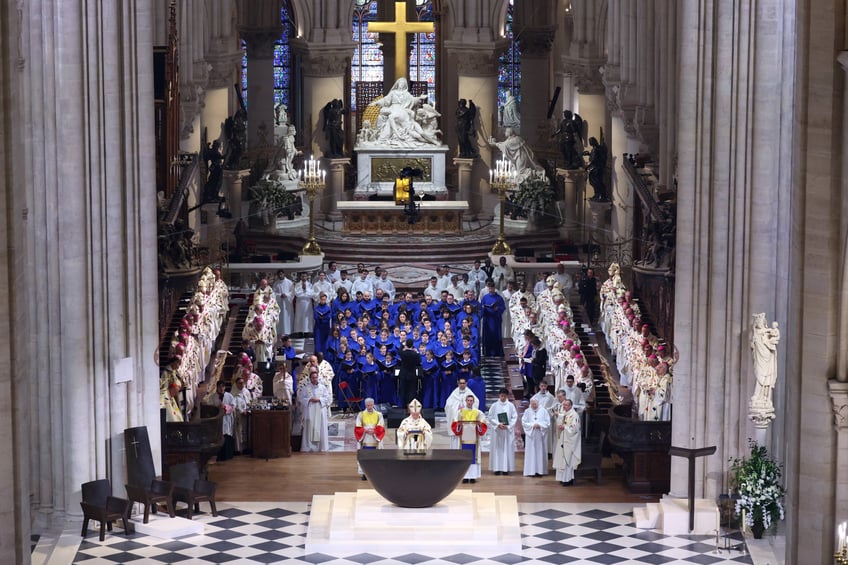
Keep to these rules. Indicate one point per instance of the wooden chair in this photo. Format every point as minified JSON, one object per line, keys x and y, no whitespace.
{"x":191,"y":489}
{"x":159,"y":492}
{"x":99,"y":504}
{"x":351,"y":402}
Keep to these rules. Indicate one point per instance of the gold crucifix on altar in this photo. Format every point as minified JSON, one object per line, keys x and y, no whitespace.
{"x":400,"y":27}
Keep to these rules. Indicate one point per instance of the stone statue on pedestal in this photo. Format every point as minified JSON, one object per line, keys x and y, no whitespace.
{"x":568,"y":133}
{"x":510,"y":116}
{"x":597,"y":169}
{"x":397,"y":123}
{"x":333,"y":113}
{"x":764,"y":340}
{"x":518,"y":153}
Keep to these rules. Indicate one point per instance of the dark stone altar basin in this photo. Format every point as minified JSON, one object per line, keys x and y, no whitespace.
{"x":414,"y":481}
{"x":644,"y":448}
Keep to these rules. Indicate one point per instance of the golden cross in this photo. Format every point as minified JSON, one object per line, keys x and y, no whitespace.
{"x":400,"y":27}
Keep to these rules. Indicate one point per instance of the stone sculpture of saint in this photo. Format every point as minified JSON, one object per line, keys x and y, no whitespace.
{"x":597,"y":168}
{"x":764,"y":340}
{"x":510,"y":116}
{"x":333,"y":113}
{"x":466,"y":133}
{"x":518,"y":153}
{"x":568,"y":134}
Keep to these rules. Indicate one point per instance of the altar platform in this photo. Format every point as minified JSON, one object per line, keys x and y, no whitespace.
{"x":475,"y":523}
{"x":381,"y":217}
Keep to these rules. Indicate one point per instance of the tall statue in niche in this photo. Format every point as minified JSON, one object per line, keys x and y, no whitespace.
{"x":764,"y":340}
{"x":568,"y":134}
{"x":466,"y":132}
{"x":597,"y":169}
{"x":333,"y":114}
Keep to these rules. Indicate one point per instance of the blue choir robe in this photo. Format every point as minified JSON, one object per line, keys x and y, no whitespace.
{"x":454,"y":308}
{"x":477,"y":386}
{"x":429,"y":382}
{"x":448,"y":374}
{"x":339,"y":306}
{"x":493,"y":309}
{"x":370,"y":375}
{"x":371,"y":341}
{"x":389,"y":383}
{"x":350,"y":375}
{"x":440,"y":323}
{"x":440,"y":350}
{"x":322,"y":316}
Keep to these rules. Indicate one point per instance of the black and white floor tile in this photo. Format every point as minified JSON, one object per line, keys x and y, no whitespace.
{"x":276,"y":533}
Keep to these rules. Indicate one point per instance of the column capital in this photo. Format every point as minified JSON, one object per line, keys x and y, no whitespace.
{"x":586,"y":74}
{"x":260,"y":41}
{"x":536,"y":42}
{"x":223,"y":58}
{"x":323,"y":60}
{"x":476,"y":60}
{"x":838,"y":391}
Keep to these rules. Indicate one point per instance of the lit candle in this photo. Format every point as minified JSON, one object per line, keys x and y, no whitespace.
{"x":718,"y":521}
{"x":743,"y":519}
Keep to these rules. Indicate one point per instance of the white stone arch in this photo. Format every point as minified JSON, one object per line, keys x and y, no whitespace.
{"x":331,"y":17}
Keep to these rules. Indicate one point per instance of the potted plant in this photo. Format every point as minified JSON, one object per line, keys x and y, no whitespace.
{"x":270,"y":198}
{"x":538,"y":199}
{"x":757,"y":481}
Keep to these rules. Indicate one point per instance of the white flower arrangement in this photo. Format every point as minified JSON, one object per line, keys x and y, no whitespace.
{"x":757,"y":480}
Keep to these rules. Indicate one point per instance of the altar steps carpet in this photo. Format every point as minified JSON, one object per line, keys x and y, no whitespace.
{"x":261,"y":532}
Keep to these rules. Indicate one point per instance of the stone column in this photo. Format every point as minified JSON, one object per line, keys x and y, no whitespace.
{"x":260,"y":78}
{"x":323,"y":80}
{"x":536,"y":85}
{"x":99,"y":252}
{"x":740,"y":201}
{"x":224,"y":60}
{"x":477,"y":67}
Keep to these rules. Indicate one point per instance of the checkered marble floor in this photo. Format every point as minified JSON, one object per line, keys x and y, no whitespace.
{"x":276,"y":532}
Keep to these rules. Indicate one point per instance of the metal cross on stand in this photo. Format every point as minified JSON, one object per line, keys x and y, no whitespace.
{"x":691,"y":455}
{"x":135,"y":443}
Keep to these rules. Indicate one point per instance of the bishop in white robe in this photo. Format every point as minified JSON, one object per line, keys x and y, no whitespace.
{"x":414,"y":433}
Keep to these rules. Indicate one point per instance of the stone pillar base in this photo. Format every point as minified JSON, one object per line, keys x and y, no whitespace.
{"x":236,"y":193}
{"x":334,"y":191}
{"x":574,"y":187}
{"x":464,"y":168}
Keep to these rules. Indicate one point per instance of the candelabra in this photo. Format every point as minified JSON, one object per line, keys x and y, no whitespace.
{"x":840,"y":557}
{"x":312,"y":180}
{"x":502,"y":178}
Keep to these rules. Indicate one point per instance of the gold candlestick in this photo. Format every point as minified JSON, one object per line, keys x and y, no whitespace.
{"x":312,"y":188}
{"x":501,"y":247}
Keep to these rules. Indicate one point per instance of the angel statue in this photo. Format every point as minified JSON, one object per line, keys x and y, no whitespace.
{"x":569,"y":132}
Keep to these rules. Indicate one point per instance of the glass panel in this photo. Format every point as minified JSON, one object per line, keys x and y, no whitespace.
{"x":282,"y":62}
{"x":367,"y":60}
{"x":509,"y":64}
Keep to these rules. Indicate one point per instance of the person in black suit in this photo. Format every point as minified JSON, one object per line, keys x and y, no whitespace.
{"x":410,"y":362}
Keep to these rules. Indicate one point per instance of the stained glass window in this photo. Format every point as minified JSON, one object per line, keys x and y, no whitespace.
{"x":422,"y":57}
{"x":282,"y":61}
{"x":509,"y":64}
{"x":367,"y":64}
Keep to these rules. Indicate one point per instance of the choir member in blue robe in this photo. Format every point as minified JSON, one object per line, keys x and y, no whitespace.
{"x":452,"y":305}
{"x":428,"y":327}
{"x":389,"y":382}
{"x":369,"y":373}
{"x":341,"y":302}
{"x":429,"y":380}
{"x":442,"y":348}
{"x":371,"y":338}
{"x":448,"y":372}
{"x":350,"y":374}
{"x":493,"y":307}
{"x":425,"y":341}
{"x":445,"y":321}
{"x":322,"y":314}
{"x":468,"y":371}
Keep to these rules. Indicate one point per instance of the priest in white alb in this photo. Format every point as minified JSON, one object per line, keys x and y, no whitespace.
{"x":369,"y":430}
{"x":469,"y":425}
{"x":548,"y":403}
{"x":314,"y":399}
{"x":502,"y":419}
{"x":567,"y":454}
{"x":456,"y":402}
{"x":535,"y":422}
